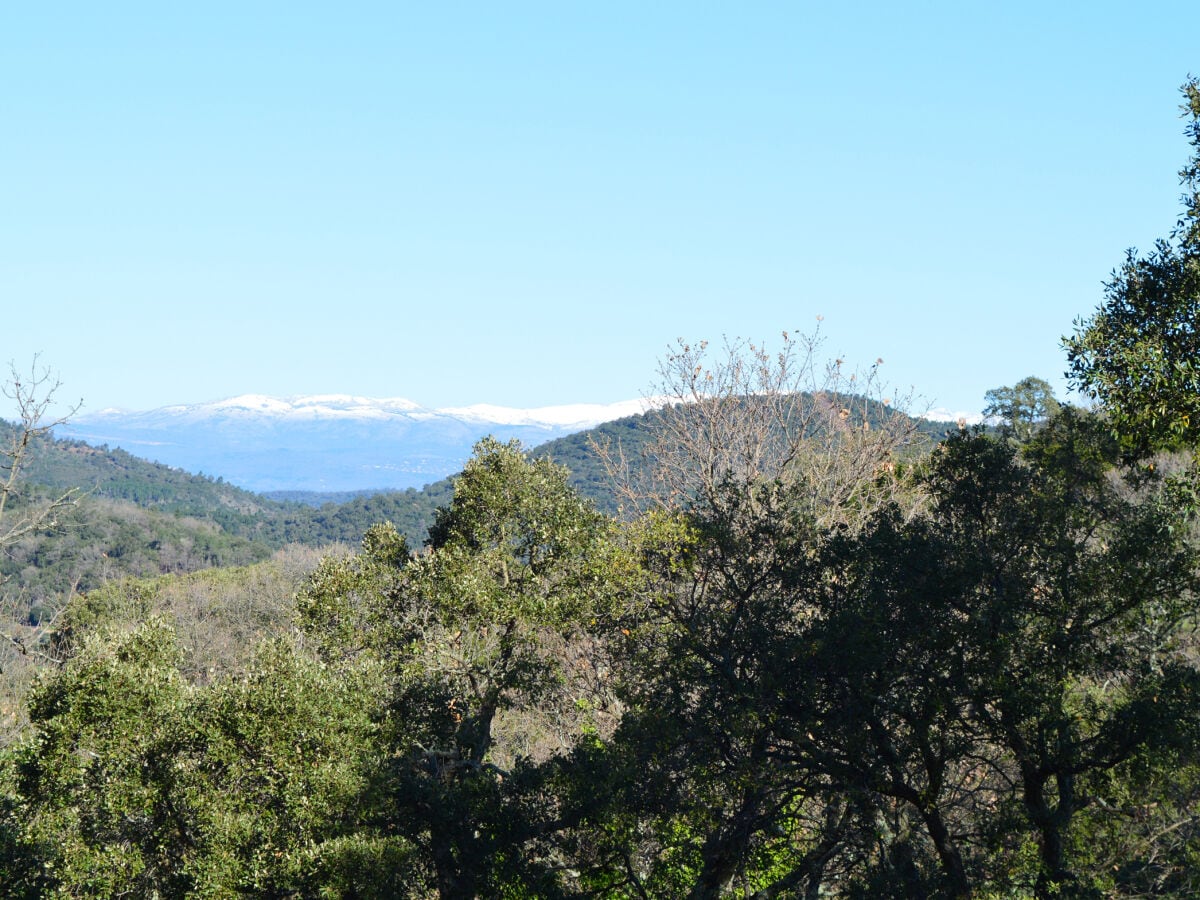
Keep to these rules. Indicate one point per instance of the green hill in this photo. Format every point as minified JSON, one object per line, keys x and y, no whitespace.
{"x":142,"y":518}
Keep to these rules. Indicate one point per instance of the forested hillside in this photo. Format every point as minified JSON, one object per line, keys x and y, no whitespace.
{"x":593,"y":457}
{"x":114,"y":474}
{"x":133,"y":517}
{"x":138,"y":518}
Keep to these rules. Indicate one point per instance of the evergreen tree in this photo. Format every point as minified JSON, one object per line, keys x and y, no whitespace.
{"x":1139,"y":353}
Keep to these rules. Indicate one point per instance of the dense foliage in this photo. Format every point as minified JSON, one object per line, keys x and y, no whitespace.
{"x":992,"y":692}
{"x":1139,"y":354}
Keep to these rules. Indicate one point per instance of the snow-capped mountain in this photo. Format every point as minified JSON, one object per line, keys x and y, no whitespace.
{"x":329,"y":442}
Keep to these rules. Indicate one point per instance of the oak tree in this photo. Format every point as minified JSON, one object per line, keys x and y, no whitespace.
{"x":1139,"y":353}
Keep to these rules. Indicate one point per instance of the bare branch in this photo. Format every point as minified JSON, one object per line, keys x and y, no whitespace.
{"x":33,"y":394}
{"x":745,"y":416}
{"x":24,"y":647}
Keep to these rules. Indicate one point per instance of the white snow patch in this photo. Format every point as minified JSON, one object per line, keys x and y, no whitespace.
{"x":582,"y":415}
{"x":250,"y":403}
{"x":941,"y":414}
{"x":348,"y":401}
{"x":347,"y":407}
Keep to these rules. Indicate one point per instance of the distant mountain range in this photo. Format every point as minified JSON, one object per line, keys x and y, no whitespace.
{"x":329,"y":442}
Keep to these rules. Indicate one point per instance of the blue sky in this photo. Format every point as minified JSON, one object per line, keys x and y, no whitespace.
{"x":525,"y":204}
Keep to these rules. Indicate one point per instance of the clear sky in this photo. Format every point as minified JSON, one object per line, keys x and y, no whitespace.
{"x":524,"y":204}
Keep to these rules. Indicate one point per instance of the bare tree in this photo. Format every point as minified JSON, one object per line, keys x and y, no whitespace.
{"x":24,"y":514}
{"x":745,"y":416}
{"x":33,"y":395}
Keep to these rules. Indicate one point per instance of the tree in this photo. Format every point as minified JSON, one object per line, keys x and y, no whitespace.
{"x":134,"y":782}
{"x":742,"y":415}
{"x":1139,"y":353}
{"x":25,"y":514}
{"x":488,"y":639}
{"x":928,"y":702}
{"x":1011,"y":647}
{"x":758,"y":459}
{"x":33,"y":395}
{"x":1022,"y":408}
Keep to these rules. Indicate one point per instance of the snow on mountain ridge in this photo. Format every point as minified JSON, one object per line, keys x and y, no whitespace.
{"x":581,"y":414}
{"x":250,"y":402}
{"x":350,"y":407}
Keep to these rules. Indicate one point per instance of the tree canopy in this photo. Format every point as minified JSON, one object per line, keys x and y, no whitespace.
{"x":1139,"y":353}
{"x":1019,"y":410}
